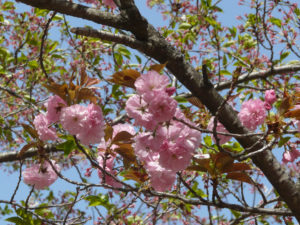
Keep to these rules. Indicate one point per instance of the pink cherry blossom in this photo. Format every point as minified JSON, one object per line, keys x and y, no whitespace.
{"x":137,"y":109}
{"x":252,"y":113}
{"x":268,"y":106}
{"x":54,"y":106}
{"x":151,"y":81}
{"x":219,"y":128}
{"x":41,"y":125}
{"x":161,"y":179}
{"x":161,"y":105}
{"x":72,"y":118}
{"x":109,"y":3}
{"x":147,"y":143}
{"x":109,"y":164}
{"x":93,"y":126}
{"x":174,"y":157}
{"x":41,"y":176}
{"x":270,"y":96}
{"x":170,"y":90}
{"x":178,"y":146}
{"x":290,"y":156}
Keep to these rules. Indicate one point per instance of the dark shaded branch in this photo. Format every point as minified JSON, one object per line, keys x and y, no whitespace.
{"x":44,"y":37}
{"x":80,"y":11}
{"x":138,"y":24}
{"x":13,"y":156}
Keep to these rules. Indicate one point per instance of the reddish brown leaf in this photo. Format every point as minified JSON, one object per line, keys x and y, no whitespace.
{"x":122,"y":136}
{"x":126,"y":151}
{"x":202,"y":165}
{"x":87,"y":94}
{"x":83,"y":76}
{"x":125,"y":77}
{"x":138,"y":175}
{"x":199,"y":168}
{"x":158,"y":67}
{"x":222,"y":160}
{"x":92,"y":81}
{"x":295,"y":113}
{"x":237,"y":167}
{"x":25,"y":148}
{"x":243,"y":177}
{"x":286,"y":103}
{"x":33,"y":133}
{"x":59,"y":89}
{"x":108,"y":132}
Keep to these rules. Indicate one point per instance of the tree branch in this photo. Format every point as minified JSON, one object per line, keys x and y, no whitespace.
{"x":14,"y":156}
{"x":261,"y":75}
{"x":79,"y":11}
{"x":118,"y":38}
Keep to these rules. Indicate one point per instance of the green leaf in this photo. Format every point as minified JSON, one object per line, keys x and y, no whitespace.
{"x":284,"y":55}
{"x":33,"y":64}
{"x":233,"y":31}
{"x":8,"y":6}
{"x":235,"y":213}
{"x":17,"y":220}
{"x":180,"y":99}
{"x":228,"y":43}
{"x":283,"y":140}
{"x":184,"y":26}
{"x":41,"y":12}
{"x":138,"y":59}
{"x":207,"y":140}
{"x":225,"y":72}
{"x":58,"y":17}
{"x":124,"y":51}
{"x":275,"y":21}
{"x":67,"y":146}
{"x":100,"y":199}
{"x":213,"y":22}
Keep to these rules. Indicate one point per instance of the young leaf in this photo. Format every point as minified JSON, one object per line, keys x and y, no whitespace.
{"x":126,"y":151}
{"x":237,"y":167}
{"x":33,"y":133}
{"x":158,"y":67}
{"x":25,"y":148}
{"x":139,"y":176}
{"x":108,"y":132}
{"x":87,"y":94}
{"x":122,"y":136}
{"x":243,"y":177}
{"x":125,"y":77}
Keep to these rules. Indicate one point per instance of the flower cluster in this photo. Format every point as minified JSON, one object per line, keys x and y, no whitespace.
{"x":152,"y":104}
{"x":40,"y":175}
{"x":86,"y":122}
{"x":252,"y":113}
{"x":168,"y":145}
{"x":270,"y":98}
{"x":290,"y":156}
